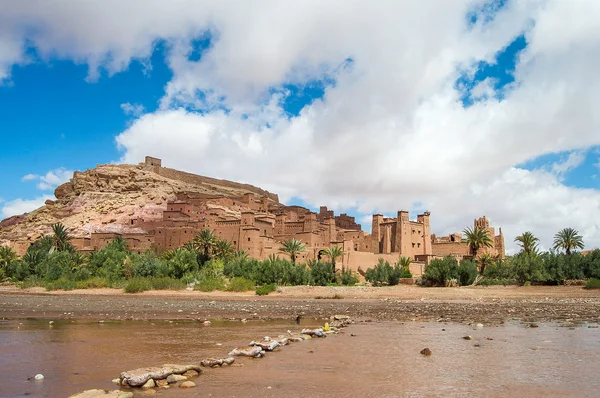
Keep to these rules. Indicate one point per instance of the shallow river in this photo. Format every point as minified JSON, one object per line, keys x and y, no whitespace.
{"x":367,"y":360}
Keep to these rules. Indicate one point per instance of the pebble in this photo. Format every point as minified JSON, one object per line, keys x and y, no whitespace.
{"x":51,"y":323}
{"x":533,"y":325}
{"x":39,"y":377}
{"x":149,"y":384}
{"x":187,"y":384}
{"x":467,"y":337}
{"x":426,"y":352}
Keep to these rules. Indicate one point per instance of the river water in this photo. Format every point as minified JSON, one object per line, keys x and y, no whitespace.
{"x":367,"y":360}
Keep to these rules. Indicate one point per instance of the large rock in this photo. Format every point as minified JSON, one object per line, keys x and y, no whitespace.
{"x":139,"y":377}
{"x":213,"y":362}
{"x":253,"y":352}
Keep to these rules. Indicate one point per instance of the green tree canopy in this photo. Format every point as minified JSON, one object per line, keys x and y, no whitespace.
{"x":477,"y":238}
{"x":568,"y":239}
{"x":528,"y":242}
{"x":333,"y":252}
{"x":293,"y":247}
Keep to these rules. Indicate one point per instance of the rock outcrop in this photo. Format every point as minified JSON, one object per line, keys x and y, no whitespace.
{"x":108,"y":197}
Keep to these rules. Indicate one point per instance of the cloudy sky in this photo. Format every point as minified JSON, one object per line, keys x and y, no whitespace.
{"x":460,"y":107}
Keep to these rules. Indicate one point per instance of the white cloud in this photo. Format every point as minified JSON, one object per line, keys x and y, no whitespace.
{"x":20,"y":206}
{"x":51,"y":179}
{"x":391,"y":131}
{"x":132,"y":109}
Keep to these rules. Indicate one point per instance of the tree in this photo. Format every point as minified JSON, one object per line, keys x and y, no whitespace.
{"x":205,"y":242}
{"x":61,"y":241}
{"x":485,"y":260}
{"x":293,"y":247}
{"x":477,"y":238}
{"x":223,"y":249}
{"x":568,"y":239}
{"x":7,"y":257}
{"x":333,"y":252}
{"x":404,"y":262}
{"x":528,"y":242}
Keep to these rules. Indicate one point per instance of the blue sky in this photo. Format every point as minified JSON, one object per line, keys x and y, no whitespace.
{"x":400,"y":116}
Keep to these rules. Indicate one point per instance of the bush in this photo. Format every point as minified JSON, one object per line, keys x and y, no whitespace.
{"x":266,"y":289}
{"x":212,"y":269}
{"x":529,"y":268}
{"x":384,"y":274}
{"x":467,"y":272}
{"x":497,"y":282}
{"x":181,"y":262}
{"x":347,"y":277}
{"x":93,"y":283}
{"x":241,"y":285}
{"x":592,"y":283}
{"x":31,"y":281}
{"x":438,"y":272}
{"x":208,"y":285}
{"x":165,"y":283}
{"x":137,"y":285}
{"x":321,"y":273}
{"x":61,"y":284}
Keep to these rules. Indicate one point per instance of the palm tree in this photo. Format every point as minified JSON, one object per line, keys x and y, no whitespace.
{"x":484,"y":261}
{"x":7,"y":256}
{"x":477,"y":238}
{"x":205,"y":241}
{"x":528,"y":242}
{"x":333,"y":252}
{"x":223,"y":249}
{"x":568,"y":239}
{"x":60,"y":238}
{"x":242,"y":255}
{"x":292,"y":247}
{"x":404,"y":262}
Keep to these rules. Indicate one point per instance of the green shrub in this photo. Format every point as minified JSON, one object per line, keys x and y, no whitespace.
{"x":181,"y":262}
{"x":61,"y":284}
{"x":438,"y":272}
{"x":384,"y":274}
{"x":31,"y":281}
{"x":347,"y":277}
{"x":208,"y":285}
{"x":592,"y":283}
{"x":165,"y":283}
{"x":321,"y":273}
{"x":93,"y":283}
{"x":266,"y":289}
{"x":241,"y":285}
{"x":497,"y":282}
{"x":137,"y":285}
{"x":529,"y":268}
{"x":212,"y":269}
{"x":467,"y":272}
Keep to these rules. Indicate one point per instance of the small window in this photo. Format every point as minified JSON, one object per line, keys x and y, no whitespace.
{"x":413,"y":245}
{"x":234,"y":242}
{"x":131,"y":222}
{"x":248,"y":239}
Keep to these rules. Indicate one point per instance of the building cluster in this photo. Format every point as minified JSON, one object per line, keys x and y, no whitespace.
{"x":258,"y":224}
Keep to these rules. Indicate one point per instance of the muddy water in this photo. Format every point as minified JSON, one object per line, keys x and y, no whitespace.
{"x":380,"y":360}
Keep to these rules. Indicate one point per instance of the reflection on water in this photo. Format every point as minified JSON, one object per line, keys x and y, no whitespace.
{"x":382,"y":359}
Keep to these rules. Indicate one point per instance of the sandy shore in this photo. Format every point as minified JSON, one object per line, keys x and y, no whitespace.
{"x":466,"y":304}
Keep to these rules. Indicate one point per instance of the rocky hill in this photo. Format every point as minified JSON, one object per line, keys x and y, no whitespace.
{"x":106,"y":198}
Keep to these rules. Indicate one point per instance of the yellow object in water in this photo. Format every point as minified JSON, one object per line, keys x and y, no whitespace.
{"x":326,"y":327}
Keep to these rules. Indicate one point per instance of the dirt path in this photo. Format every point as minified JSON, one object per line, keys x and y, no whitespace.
{"x":489,"y":304}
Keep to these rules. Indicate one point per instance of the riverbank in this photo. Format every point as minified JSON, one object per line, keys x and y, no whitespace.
{"x":398,"y":303}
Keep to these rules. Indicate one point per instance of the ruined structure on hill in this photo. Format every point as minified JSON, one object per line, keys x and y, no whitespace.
{"x":163,"y":208}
